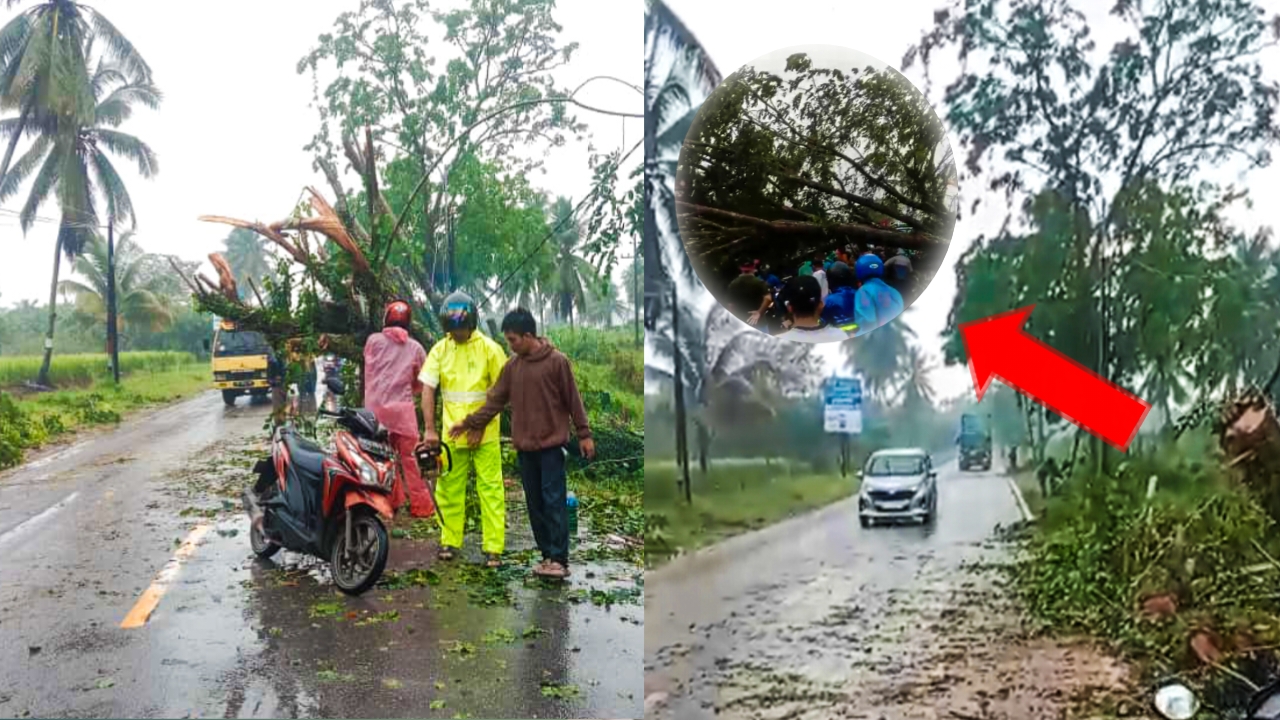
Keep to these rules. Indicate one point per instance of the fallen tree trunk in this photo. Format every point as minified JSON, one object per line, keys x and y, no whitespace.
{"x":792,"y":229}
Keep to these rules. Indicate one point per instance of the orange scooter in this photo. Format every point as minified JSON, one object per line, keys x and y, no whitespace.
{"x":331,"y":506}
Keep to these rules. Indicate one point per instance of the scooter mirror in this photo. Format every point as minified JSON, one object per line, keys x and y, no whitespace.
{"x":335,"y":385}
{"x":1176,"y":702}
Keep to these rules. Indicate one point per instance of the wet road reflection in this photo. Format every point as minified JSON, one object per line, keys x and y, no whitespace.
{"x":235,"y":637}
{"x":818,"y":616}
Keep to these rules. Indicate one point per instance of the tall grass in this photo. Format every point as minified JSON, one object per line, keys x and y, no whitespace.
{"x":84,"y":368}
{"x":734,"y":497}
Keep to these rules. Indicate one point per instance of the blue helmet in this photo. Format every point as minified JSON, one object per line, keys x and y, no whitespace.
{"x":869,"y":266}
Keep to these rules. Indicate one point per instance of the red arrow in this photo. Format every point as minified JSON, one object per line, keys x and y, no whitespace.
{"x":998,"y":347}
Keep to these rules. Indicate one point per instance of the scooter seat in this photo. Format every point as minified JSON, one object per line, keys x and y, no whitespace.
{"x":307,"y":456}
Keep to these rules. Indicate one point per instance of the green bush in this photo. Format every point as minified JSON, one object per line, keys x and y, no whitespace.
{"x":17,"y":432}
{"x":1104,"y":547}
{"x":93,"y":409}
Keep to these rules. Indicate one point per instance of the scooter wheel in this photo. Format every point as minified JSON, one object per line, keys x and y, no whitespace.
{"x":356,"y":574}
{"x":262,"y":547}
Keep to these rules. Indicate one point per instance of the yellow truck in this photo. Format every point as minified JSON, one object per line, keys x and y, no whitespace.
{"x":240,"y":362}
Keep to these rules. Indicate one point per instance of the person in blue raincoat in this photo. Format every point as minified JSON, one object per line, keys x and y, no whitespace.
{"x":839,"y":307}
{"x":876,"y":303}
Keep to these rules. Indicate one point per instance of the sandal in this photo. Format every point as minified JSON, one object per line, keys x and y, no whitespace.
{"x":493,"y":560}
{"x":554,"y":569}
{"x":445,"y":554}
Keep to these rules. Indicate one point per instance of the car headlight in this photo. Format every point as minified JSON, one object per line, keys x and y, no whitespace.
{"x":221,"y":376}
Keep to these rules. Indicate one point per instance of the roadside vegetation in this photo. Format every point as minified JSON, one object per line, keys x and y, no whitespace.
{"x":29,"y":420}
{"x":1166,"y":552}
{"x":734,"y":496}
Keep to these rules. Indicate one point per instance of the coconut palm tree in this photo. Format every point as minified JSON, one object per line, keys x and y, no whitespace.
{"x":917,"y":389}
{"x":603,"y":303}
{"x":730,"y":371}
{"x":247,"y":255}
{"x":882,"y":356}
{"x":72,"y":162}
{"x":140,"y":302}
{"x":44,"y":65}
{"x":575,"y":275}
{"x":678,"y":75}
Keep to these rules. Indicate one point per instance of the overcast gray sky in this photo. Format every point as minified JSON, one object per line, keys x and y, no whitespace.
{"x":236,"y":115}
{"x":885,"y":31}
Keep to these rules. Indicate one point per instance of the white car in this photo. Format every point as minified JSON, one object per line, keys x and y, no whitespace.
{"x":898,"y":485}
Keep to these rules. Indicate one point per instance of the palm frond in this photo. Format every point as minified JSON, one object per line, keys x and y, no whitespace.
{"x":667,"y":33}
{"x":117,"y":107}
{"x":75,"y":287}
{"x":34,"y":58}
{"x":44,"y":183}
{"x":119,"y":204}
{"x":13,"y":38}
{"x":130,"y":147}
{"x":21,"y":170}
{"x":119,"y":48}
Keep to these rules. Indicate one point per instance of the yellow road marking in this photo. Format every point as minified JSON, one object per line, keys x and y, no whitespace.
{"x":150,"y":598}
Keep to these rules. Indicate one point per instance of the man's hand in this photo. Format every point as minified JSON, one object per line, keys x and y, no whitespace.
{"x":754,"y":318}
{"x":430,"y":438}
{"x":588,"y":447}
{"x":473,"y":436}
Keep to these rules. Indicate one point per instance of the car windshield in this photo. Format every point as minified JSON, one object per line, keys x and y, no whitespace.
{"x":896,"y":465}
{"x":245,"y":342}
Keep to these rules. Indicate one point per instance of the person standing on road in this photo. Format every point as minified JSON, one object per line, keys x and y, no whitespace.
{"x":463,"y":367}
{"x":538,"y":382}
{"x":392,"y":361}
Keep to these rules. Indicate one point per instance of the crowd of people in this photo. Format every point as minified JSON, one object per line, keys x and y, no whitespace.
{"x":848,"y":292}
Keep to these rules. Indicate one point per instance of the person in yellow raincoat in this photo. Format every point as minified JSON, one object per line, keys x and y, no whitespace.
{"x":462,"y":367}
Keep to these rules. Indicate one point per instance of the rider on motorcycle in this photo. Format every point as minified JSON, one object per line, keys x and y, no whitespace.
{"x":392,"y":361}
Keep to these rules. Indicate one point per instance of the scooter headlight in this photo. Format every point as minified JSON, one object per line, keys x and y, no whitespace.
{"x":367,"y":471}
{"x":1176,"y":702}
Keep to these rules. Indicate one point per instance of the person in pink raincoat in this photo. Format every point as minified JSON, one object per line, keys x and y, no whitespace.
{"x":392,"y":361}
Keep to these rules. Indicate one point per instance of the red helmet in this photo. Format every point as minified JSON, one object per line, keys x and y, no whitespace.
{"x":398,"y":313}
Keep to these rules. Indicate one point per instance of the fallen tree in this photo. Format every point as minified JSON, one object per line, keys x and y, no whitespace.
{"x":340,"y":293}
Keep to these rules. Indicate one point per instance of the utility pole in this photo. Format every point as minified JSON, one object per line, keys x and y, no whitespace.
{"x":682,"y":439}
{"x":635,"y":283}
{"x":112,"y":334}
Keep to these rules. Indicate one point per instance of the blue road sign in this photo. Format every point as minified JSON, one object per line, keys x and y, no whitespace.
{"x":842,"y":398}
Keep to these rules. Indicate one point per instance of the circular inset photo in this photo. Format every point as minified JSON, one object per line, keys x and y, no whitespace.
{"x":816,"y":193}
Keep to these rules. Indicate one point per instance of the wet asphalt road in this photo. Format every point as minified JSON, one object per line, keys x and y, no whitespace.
{"x":85,"y":529}
{"x":817,"y":617}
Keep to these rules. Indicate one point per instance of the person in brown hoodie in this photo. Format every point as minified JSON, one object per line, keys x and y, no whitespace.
{"x":538,"y":383}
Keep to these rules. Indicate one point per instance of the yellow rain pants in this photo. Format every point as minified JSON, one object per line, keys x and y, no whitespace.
{"x":451,"y":496}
